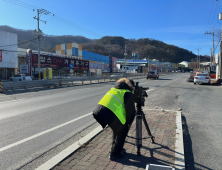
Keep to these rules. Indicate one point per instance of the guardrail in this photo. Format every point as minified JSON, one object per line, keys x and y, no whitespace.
{"x":13,"y":86}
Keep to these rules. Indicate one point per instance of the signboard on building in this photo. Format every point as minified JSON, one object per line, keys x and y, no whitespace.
{"x":97,"y":66}
{"x":138,"y":61}
{"x":23,"y":69}
{"x":0,"y":55}
{"x":59,"y":62}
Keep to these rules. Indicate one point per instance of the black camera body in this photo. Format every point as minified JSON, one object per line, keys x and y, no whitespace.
{"x":140,"y":94}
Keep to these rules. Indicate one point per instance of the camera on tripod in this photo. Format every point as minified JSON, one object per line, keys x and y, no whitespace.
{"x":140,"y":94}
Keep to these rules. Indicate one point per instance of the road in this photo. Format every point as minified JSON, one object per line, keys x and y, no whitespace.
{"x":35,"y":126}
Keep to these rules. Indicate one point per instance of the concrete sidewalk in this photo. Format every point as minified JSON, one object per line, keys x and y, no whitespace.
{"x":94,"y":154}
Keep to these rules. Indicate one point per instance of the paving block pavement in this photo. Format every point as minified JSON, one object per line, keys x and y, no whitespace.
{"x":94,"y":154}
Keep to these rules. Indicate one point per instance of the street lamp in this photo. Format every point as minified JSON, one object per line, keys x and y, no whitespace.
{"x":134,"y":55}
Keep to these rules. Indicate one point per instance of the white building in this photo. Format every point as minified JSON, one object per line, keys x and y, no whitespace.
{"x":184,"y":63}
{"x":8,"y":55}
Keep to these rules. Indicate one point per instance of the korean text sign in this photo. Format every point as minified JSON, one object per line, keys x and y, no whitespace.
{"x":59,"y":62}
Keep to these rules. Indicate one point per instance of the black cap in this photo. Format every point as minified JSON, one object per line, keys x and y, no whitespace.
{"x":132,"y":82}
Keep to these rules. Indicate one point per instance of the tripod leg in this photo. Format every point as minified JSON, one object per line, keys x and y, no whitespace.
{"x":138,"y":133}
{"x":147,"y":127}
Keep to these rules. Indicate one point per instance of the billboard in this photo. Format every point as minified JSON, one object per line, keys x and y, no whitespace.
{"x":59,"y":62}
{"x":97,"y":66}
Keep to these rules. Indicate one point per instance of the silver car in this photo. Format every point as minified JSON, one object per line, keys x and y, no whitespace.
{"x":202,"y":78}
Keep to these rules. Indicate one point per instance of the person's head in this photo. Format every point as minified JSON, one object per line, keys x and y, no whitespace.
{"x":130,"y":83}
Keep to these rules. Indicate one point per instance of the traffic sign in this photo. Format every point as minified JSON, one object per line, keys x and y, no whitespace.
{"x":71,"y":66}
{"x":71,"y":71}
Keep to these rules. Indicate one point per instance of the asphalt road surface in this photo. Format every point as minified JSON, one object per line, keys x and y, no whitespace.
{"x":36,"y":126}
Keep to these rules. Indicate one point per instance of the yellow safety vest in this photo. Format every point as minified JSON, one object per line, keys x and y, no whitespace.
{"x":114,"y":100}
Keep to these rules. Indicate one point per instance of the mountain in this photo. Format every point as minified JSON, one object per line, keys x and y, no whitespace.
{"x":147,"y":47}
{"x":47,"y":43}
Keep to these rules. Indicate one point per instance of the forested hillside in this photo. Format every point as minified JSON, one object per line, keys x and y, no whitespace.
{"x":145,"y":46}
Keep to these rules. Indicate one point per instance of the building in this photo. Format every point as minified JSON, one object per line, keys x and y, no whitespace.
{"x":70,"y":49}
{"x":8,"y":55}
{"x":60,"y":64}
{"x":84,"y":63}
{"x":97,"y":63}
{"x":184,"y":64}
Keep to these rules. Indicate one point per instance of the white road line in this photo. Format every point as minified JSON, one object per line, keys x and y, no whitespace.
{"x":149,"y":90}
{"x":78,"y":89}
{"x":160,"y":110}
{"x":11,"y":101}
{"x":42,"y":133}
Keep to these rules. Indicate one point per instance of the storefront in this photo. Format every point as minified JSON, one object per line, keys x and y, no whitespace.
{"x":61,"y":66}
{"x":96,"y":69}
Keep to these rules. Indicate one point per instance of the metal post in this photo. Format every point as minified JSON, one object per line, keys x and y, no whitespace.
{"x":213,"y":47}
{"x":220,"y":62}
{"x":148,"y":63}
{"x":38,"y":45}
{"x":162,"y":66}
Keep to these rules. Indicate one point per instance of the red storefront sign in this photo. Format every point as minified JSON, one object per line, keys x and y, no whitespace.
{"x":0,"y":55}
{"x":59,"y":62}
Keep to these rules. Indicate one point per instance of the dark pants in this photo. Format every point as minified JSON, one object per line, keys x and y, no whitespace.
{"x":119,"y":139}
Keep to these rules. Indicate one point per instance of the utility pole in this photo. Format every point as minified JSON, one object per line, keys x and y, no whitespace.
{"x":212,"y":33}
{"x":198,"y":57}
{"x":210,"y":55}
{"x":148,"y":63}
{"x":40,"y":11}
{"x":220,"y":62}
{"x":134,"y":55}
{"x":162,"y":66}
{"x":125,"y":58}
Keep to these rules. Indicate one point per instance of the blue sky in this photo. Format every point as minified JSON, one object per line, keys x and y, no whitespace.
{"x":178,"y":22}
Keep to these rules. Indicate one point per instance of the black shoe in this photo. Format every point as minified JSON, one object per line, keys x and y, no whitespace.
{"x":116,"y":156}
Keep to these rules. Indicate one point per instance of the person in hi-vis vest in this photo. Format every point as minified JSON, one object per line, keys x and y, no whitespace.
{"x":117,"y":110}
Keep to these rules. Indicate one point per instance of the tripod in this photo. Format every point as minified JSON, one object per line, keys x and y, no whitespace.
{"x":139,"y":117}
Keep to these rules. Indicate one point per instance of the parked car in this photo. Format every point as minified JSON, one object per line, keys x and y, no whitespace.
{"x":191,"y":78}
{"x":202,"y":78}
{"x":152,"y":74}
{"x":21,"y":77}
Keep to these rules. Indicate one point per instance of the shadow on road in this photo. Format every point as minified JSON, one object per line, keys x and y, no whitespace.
{"x":188,"y":150}
{"x":158,"y":155}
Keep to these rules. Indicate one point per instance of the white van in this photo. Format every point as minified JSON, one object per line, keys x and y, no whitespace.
{"x":21,"y":77}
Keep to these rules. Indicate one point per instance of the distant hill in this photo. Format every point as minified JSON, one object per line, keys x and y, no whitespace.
{"x":48,"y":42}
{"x":145,"y":46}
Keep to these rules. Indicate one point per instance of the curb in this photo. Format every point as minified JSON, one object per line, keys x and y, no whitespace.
{"x":179,"y":149}
{"x":62,"y":155}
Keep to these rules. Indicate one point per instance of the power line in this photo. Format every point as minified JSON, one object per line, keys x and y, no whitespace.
{"x":28,"y":6}
{"x":203,"y":41}
{"x":214,"y":13}
{"x":207,"y":24}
